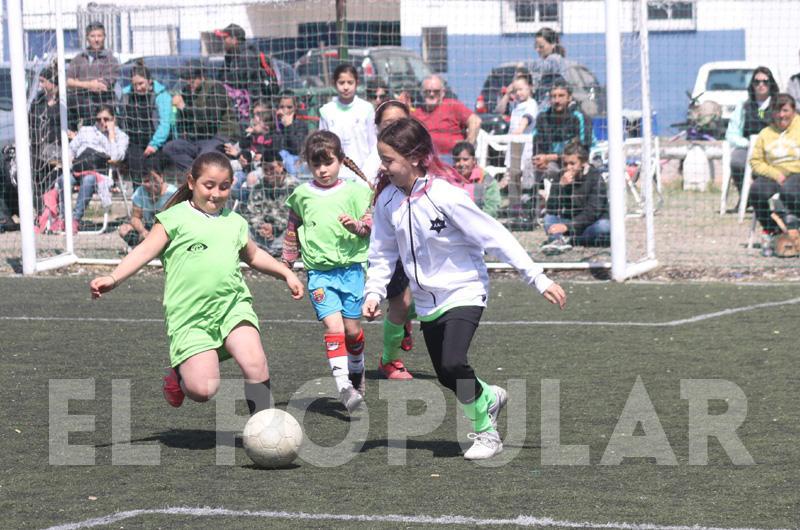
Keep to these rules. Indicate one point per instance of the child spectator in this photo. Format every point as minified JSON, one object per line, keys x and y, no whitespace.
{"x":482,"y":187}
{"x":208,"y":307}
{"x":246,"y":154}
{"x":329,"y":226}
{"x":266,"y":210}
{"x":417,"y":211}
{"x":293,"y":132}
{"x":523,"y":121}
{"x":349,"y":117}
{"x":148,"y":199}
{"x":577,"y":207}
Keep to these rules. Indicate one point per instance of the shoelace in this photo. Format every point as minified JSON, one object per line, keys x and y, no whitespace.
{"x":483,"y":438}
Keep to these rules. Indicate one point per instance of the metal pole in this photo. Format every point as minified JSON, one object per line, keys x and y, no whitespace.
{"x":66,"y":168}
{"x":647,"y":130}
{"x":21,"y":136}
{"x":616,"y":168}
{"x":341,"y":28}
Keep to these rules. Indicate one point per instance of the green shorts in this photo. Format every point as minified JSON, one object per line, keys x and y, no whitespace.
{"x":187,"y":341}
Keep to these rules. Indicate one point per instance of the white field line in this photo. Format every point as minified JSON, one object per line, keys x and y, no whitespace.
{"x":521,"y":520}
{"x":669,"y":323}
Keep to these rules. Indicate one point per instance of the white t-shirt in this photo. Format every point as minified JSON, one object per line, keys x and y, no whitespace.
{"x":354,"y":124}
{"x":527,"y":108}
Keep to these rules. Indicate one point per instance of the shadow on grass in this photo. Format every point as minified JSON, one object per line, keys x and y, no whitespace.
{"x":192,"y":439}
{"x":324,"y":406}
{"x":376,"y":375}
{"x":438,"y":448}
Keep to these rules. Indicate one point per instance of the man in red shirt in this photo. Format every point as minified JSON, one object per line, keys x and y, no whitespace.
{"x":446,"y":119}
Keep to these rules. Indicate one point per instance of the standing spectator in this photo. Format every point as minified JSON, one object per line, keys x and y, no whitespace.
{"x":748,"y":118}
{"x":446,"y":119}
{"x":793,"y":87}
{"x":377,"y":91}
{"x":266,"y":210}
{"x":205,"y":120}
{"x":147,"y":110}
{"x":293,"y":131}
{"x":44,"y":123}
{"x":481,"y":186}
{"x":776,"y":166}
{"x":247,"y":74}
{"x":349,"y":117}
{"x":148,"y":200}
{"x":577,"y":208}
{"x":91,"y":76}
{"x":551,"y":53}
{"x":523,"y":121}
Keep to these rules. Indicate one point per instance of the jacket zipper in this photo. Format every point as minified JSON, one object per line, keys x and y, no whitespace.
{"x":414,"y":254}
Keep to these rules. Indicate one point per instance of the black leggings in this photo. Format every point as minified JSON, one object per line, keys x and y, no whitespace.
{"x":448,"y":339}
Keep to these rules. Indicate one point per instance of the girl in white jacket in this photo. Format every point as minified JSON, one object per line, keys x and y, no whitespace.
{"x":440,"y":236}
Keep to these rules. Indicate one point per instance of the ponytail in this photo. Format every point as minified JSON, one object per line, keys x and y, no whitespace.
{"x":183,"y":193}
{"x":348,"y":162}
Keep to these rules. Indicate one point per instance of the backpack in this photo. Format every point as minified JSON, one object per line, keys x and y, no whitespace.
{"x":787,"y":245}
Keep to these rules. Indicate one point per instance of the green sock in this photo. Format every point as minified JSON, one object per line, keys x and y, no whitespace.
{"x":478,"y":410}
{"x":412,"y":311}
{"x":392,"y":337}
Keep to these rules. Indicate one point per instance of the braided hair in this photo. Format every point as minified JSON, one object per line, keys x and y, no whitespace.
{"x":321,"y":146}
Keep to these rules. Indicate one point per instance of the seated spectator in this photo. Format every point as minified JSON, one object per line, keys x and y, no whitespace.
{"x":748,"y":118}
{"x":448,"y":120}
{"x":793,"y":86}
{"x":292,"y":130}
{"x":148,"y":199}
{"x":206,"y":120}
{"x":776,"y":166}
{"x":146,"y":113}
{"x":481,"y":186}
{"x":246,"y":154}
{"x":92,"y":148}
{"x":577,"y":207}
{"x":91,"y":76}
{"x":266,"y":209}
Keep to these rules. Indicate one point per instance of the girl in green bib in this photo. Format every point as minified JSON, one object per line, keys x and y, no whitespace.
{"x":208,"y":307}
{"x":329,"y":226}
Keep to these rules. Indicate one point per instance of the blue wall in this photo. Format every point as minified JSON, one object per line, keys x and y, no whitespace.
{"x":675,"y":58}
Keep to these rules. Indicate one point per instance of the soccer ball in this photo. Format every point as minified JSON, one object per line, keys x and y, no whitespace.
{"x":272,"y":438}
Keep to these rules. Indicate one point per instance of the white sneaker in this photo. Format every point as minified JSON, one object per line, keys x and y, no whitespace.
{"x":487,"y":444}
{"x":350,"y":398}
{"x":500,"y":399}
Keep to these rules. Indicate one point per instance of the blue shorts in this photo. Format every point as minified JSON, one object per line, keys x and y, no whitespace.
{"x":339,"y":290}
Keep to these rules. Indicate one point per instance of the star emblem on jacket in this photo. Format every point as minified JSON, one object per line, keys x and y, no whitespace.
{"x":438,"y":225}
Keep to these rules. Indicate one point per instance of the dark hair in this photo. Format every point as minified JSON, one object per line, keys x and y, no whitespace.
{"x":50,"y":73}
{"x":270,"y":154}
{"x":386,"y":105}
{"x":560,"y":83}
{"x":139,"y":69}
{"x":157,"y":163}
{"x":463,"y":146}
{"x":525,"y":75}
{"x":287,"y":94}
{"x":261,"y":102}
{"x":551,"y":37}
{"x":211,"y":158}
{"x":773,"y":85}
{"x":575,"y":148}
{"x":91,"y":26}
{"x":375,"y":84}
{"x":322,"y":147}
{"x":105,"y":107}
{"x":412,"y":140}
{"x":193,"y":69}
{"x":345,"y":68}
{"x":780,"y":100}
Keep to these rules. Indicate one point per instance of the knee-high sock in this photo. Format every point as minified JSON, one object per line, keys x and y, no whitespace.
{"x":355,"y":353}
{"x":412,"y":311}
{"x":337,"y":359}
{"x":392,"y":337}
{"x":258,"y":396}
{"x":478,"y":409}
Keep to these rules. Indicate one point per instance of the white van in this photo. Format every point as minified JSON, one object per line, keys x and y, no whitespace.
{"x":725,"y":82}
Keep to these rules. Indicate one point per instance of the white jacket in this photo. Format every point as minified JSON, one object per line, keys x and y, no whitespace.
{"x":440,"y":235}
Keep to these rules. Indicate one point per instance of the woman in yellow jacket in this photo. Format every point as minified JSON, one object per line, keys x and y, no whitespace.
{"x":776,"y":163}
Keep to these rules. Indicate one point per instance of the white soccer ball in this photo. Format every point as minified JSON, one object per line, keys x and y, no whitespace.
{"x":272,"y":438}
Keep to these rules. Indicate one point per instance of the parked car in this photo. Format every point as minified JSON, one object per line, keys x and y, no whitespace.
{"x":586,"y":89}
{"x":724,"y":82}
{"x":401,"y":68}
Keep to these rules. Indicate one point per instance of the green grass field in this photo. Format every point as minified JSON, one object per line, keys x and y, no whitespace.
{"x":609,"y":336}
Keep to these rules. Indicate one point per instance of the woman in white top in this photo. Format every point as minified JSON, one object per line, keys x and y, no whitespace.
{"x":348,"y":116}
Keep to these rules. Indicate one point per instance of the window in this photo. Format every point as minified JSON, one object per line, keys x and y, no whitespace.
{"x":671,"y":15}
{"x":528,"y":16}
{"x":43,"y":42}
{"x":434,"y":48}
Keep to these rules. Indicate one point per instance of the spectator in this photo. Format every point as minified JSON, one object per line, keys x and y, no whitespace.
{"x":776,"y":166}
{"x":247,"y":153}
{"x":92,"y":148}
{"x":793,"y":86}
{"x":266,"y":210}
{"x":385,"y":113}
{"x":205,"y":118}
{"x":247,"y":74}
{"x":44,"y":121}
{"x":147,"y":111}
{"x":523,"y":121}
{"x":446,"y":119}
{"x":91,"y":76}
{"x":551,"y":54}
{"x":748,"y":118}
{"x":577,"y":208}
{"x":293,"y":131}
{"x":481,"y":186}
{"x":377,"y":91}
{"x":148,"y":199}
{"x":349,"y":117}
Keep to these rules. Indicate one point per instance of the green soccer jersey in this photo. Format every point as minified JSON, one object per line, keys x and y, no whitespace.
{"x":325,"y":243}
{"x":204,"y":287}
